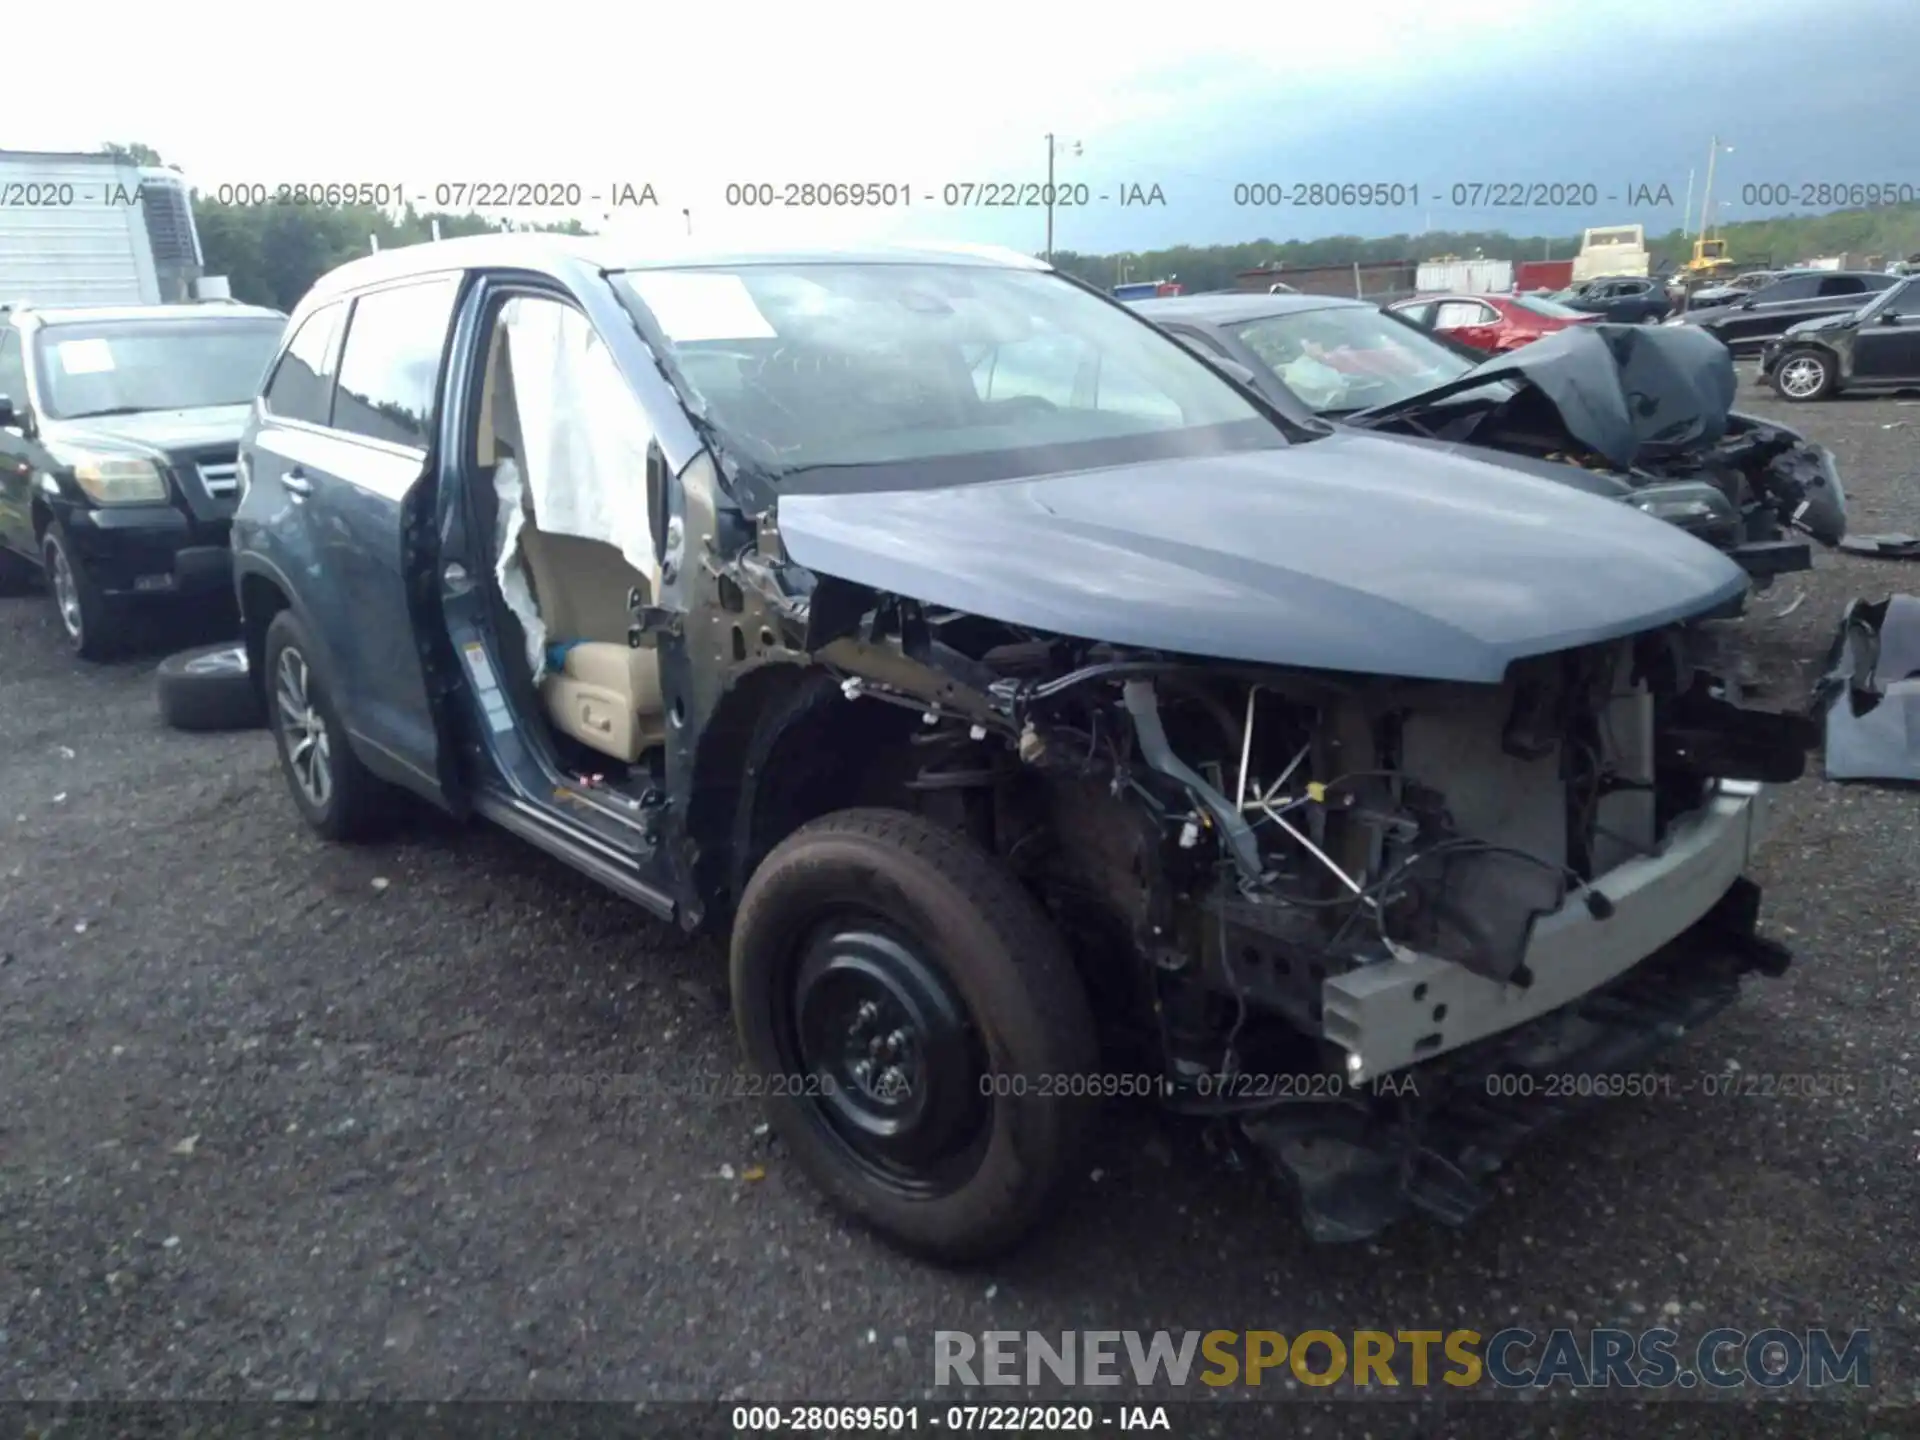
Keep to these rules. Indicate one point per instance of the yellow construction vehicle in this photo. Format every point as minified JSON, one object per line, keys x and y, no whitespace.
{"x":1710,"y":259}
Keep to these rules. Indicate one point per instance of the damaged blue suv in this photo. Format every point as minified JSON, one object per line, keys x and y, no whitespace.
{"x":1043,"y":716}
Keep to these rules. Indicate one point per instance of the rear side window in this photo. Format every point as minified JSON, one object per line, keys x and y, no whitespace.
{"x":391,"y":367}
{"x":1455,"y":314}
{"x":1842,"y":285}
{"x":301,"y":387}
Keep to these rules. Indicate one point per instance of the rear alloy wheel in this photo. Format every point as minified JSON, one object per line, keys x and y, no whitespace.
{"x":337,"y":795}
{"x":91,"y":621}
{"x":1803,"y":375}
{"x":914,"y":1022}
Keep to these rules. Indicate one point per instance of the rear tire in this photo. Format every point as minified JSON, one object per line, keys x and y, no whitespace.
{"x":336,"y":795}
{"x":1803,"y":375}
{"x":92,"y":622}
{"x":876,"y":938}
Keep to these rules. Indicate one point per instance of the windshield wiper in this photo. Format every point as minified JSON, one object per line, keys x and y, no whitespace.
{"x":116,"y":410}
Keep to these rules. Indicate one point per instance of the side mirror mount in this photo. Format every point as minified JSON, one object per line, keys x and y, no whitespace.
{"x":1748,"y":304}
{"x":1236,"y":370}
{"x":1216,"y":359}
{"x":1887,"y":317}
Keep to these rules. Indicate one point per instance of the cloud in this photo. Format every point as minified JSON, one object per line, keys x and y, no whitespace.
{"x":691,"y":100}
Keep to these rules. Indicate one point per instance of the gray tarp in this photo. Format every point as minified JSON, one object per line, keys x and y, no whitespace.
{"x":1871,"y":692}
{"x":1620,"y":389}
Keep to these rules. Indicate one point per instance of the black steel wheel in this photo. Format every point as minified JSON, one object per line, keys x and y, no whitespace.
{"x":887,"y":1044}
{"x":915,"y":1024}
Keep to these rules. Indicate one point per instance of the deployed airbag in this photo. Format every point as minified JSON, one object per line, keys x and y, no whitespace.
{"x":583,"y":452}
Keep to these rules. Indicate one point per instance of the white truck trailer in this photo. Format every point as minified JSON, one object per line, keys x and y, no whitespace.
{"x":1612,"y":250}
{"x":78,"y":229}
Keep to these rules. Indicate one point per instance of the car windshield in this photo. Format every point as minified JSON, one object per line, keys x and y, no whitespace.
{"x":1552,"y":309}
{"x":961,"y":371}
{"x":127,"y":366}
{"x":1350,"y":357}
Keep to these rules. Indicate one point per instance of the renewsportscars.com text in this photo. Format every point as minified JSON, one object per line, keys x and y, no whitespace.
{"x":1512,"y":1358}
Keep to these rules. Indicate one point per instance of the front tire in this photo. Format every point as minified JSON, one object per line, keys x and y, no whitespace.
{"x":890,"y":980}
{"x":337,"y":795}
{"x":92,"y":622}
{"x":1803,"y":375}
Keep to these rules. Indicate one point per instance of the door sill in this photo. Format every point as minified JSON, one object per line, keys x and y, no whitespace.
{"x":591,"y":856}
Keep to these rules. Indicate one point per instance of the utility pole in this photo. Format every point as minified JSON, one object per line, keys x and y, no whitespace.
{"x":1049,"y":197}
{"x":1686,"y":215}
{"x":1051,"y":143}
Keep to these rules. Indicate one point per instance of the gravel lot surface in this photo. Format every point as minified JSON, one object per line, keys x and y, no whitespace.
{"x":284,"y":1120}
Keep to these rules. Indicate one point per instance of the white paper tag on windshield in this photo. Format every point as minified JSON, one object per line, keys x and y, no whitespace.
{"x":84,"y":357}
{"x":692,"y":307}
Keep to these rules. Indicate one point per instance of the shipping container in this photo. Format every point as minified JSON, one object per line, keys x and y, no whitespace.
{"x":81,"y":229}
{"x":1532,"y":275}
{"x":1465,"y":277}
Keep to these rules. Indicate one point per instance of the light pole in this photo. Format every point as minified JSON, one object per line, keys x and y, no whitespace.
{"x":1051,"y":141}
{"x":1706,"y":195}
{"x":689,"y":216}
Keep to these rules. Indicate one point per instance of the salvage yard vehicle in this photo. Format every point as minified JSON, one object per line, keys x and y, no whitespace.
{"x":1745,"y":326}
{"x":1046,"y":716}
{"x":1493,"y":323}
{"x":1622,"y":299}
{"x":1558,"y":408}
{"x":1876,"y":347}
{"x":119,"y":441}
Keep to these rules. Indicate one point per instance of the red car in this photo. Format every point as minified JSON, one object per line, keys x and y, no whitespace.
{"x":1494,"y":323}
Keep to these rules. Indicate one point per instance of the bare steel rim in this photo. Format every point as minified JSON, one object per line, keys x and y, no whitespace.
{"x":303,"y":731}
{"x":892,"y":1061}
{"x":66,"y":591}
{"x":1803,"y":375}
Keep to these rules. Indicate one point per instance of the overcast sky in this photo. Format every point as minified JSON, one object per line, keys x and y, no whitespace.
{"x":1433,"y":93}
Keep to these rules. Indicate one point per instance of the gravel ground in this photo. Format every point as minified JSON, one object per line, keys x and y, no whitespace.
{"x":280,"y":1119}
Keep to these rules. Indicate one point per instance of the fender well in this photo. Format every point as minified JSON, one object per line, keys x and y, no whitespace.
{"x":783,"y":746}
{"x":260,"y":600}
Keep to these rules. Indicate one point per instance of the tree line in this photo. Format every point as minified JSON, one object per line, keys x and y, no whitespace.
{"x":1891,"y":231}
{"x":271,"y":253}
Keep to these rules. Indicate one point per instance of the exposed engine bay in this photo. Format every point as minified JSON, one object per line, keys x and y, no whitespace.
{"x":1274,"y":873}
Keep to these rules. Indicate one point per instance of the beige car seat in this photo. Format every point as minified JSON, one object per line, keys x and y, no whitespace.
{"x":605,"y":693}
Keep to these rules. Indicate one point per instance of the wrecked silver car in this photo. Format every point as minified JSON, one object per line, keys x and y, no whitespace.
{"x":1044,"y":717}
{"x":1638,"y":414}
